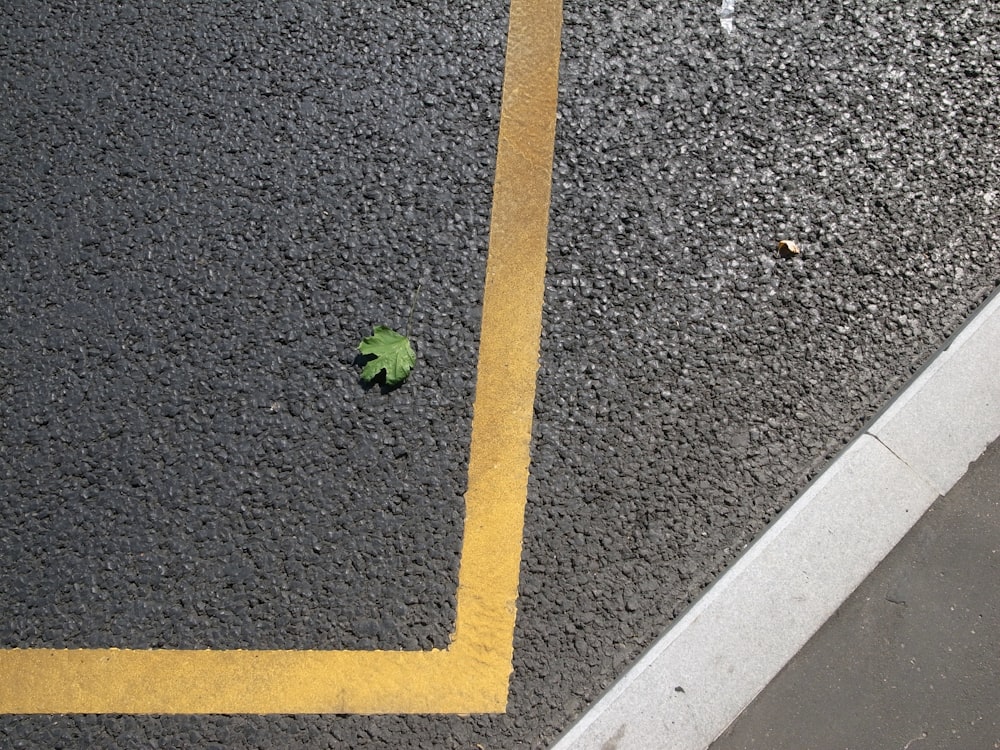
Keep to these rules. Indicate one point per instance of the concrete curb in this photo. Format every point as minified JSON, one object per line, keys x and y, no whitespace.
{"x":698,"y":677}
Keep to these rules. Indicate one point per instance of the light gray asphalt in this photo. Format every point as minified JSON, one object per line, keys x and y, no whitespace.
{"x":699,"y":676}
{"x":912,"y":659}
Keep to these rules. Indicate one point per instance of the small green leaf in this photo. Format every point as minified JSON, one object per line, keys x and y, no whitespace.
{"x":393,"y":354}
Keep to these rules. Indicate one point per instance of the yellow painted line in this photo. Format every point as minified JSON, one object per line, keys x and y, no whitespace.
{"x":472,"y":674}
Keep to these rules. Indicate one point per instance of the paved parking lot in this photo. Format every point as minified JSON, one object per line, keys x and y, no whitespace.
{"x":207,"y":205}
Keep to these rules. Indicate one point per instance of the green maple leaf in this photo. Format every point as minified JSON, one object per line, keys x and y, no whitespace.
{"x":393,"y":353}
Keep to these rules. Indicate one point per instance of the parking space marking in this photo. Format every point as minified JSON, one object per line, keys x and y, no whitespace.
{"x":473,"y":673}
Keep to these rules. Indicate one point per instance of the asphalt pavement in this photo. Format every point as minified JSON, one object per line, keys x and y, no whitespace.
{"x":755,"y":631}
{"x":206,"y":206}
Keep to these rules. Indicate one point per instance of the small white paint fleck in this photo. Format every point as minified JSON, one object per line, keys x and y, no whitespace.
{"x":726,"y":13}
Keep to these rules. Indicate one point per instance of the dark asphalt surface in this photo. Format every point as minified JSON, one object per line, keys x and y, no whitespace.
{"x":215,"y":203}
{"x":207,"y":205}
{"x":910,"y":659}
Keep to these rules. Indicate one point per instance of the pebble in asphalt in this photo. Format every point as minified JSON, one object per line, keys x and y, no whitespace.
{"x":180,"y":316}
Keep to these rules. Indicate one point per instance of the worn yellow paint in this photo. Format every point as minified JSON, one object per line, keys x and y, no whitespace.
{"x":256,"y":682}
{"x":472,"y":674}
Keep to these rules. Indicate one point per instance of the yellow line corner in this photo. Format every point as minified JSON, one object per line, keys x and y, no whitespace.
{"x":472,"y":675}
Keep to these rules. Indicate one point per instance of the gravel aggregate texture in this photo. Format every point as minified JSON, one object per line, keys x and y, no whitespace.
{"x":213,"y":203}
{"x":208,"y":205}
